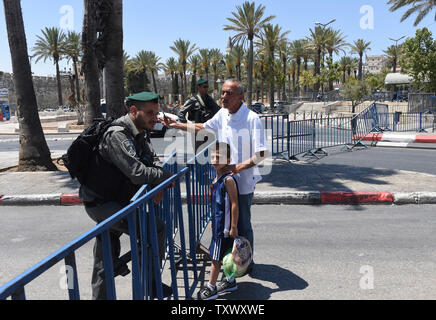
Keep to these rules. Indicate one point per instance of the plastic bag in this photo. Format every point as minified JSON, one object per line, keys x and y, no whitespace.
{"x":236,"y":262}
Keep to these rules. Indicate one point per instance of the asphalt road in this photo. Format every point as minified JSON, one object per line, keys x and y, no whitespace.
{"x":302,"y":252}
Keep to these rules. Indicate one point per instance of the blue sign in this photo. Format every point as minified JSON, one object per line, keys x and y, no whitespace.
{"x":6,"y":111}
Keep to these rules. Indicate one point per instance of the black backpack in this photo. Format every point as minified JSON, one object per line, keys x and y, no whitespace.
{"x":79,"y":154}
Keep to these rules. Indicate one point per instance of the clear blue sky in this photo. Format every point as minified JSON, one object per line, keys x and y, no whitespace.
{"x":154,"y":25}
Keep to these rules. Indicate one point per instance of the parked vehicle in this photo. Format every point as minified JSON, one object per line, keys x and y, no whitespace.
{"x":279,"y":107}
{"x":258,"y":107}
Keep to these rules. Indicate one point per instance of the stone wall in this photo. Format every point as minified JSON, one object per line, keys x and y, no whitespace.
{"x":45,"y":89}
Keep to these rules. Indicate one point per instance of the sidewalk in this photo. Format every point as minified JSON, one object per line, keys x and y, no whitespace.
{"x":287,"y":183}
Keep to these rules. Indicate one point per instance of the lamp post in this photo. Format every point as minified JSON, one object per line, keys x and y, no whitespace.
{"x":323,"y":26}
{"x":396,"y":51}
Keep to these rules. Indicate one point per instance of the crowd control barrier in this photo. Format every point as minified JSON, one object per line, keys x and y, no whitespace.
{"x":141,"y":215}
{"x":372,"y":119}
{"x":277,"y":129}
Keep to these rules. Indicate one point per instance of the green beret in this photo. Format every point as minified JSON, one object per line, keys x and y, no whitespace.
{"x":201,"y":81}
{"x":143,"y":96}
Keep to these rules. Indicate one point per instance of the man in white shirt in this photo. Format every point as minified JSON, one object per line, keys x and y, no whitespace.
{"x":242,"y":129}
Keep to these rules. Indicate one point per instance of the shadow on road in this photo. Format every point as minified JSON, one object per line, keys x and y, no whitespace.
{"x":278,"y":279}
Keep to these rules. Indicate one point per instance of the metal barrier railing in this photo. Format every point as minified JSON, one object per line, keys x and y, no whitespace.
{"x":279,"y":131}
{"x":369,"y":120}
{"x":141,"y":216}
{"x":146,"y":265}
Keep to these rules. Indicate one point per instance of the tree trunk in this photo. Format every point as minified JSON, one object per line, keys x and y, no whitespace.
{"x":284,"y":97}
{"x":185,"y":85}
{"x":361,"y":67}
{"x":77,"y":81}
{"x":114,"y":66}
{"x":90,"y":64}
{"x":154,"y":82}
{"x":34,"y":153}
{"x":59,"y":83}
{"x":271,"y":83}
{"x":250,"y":75}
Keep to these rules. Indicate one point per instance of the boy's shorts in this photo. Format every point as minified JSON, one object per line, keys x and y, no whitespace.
{"x":219,"y":247}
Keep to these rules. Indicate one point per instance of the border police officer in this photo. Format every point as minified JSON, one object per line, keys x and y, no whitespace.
{"x":129,"y":160}
{"x":199,"y":109}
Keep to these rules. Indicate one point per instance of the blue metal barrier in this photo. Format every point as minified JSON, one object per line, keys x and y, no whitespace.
{"x":279,"y":131}
{"x":372,"y":119}
{"x":146,"y":264}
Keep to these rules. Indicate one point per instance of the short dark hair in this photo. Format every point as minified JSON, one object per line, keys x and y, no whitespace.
{"x":138,"y":103}
{"x":220,"y":146}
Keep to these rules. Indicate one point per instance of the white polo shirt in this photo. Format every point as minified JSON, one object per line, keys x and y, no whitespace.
{"x":244,"y":132}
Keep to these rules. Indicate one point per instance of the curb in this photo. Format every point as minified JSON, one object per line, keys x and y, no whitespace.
{"x":260,"y":198}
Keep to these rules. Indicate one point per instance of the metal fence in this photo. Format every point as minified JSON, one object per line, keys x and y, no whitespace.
{"x":422,"y":102}
{"x":144,"y":252}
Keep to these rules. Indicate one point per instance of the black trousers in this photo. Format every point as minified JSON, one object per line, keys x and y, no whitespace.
{"x":100,"y":213}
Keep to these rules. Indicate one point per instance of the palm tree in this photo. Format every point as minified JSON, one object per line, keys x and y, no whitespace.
{"x":171,"y":69}
{"x":345,"y":64}
{"x":205,"y":61}
{"x":215,"y":59}
{"x":90,"y":63}
{"x":272,"y":37}
{"x":335,"y":44}
{"x":238,"y":53}
{"x":153,"y":65}
{"x":248,"y":22}
{"x":297,"y":53}
{"x":51,"y":46}
{"x":359,"y":47}
{"x":113,"y":58}
{"x":284,"y":52}
{"x":140,"y":64}
{"x":317,"y":41}
{"x":34,"y":153}
{"x":184,"y":50}
{"x":420,"y":7}
{"x":229,"y":64}
{"x":73,"y":51}
{"x":194,"y":66}
{"x":392,"y":54}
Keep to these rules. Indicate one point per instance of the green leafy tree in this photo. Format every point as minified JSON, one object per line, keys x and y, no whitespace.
{"x":354,"y":91}
{"x":248,"y":22}
{"x":419,"y":59}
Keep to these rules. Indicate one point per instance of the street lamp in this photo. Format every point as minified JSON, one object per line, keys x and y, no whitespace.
{"x":324,"y":24}
{"x":396,"y":49}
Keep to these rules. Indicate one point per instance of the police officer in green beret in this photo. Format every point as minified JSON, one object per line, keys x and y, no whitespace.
{"x":128,"y":162}
{"x":199,"y":108}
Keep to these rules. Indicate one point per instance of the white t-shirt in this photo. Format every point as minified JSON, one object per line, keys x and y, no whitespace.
{"x":244,"y":132}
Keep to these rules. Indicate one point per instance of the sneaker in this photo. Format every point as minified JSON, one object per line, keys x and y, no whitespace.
{"x":207,"y":294}
{"x":226,"y":286}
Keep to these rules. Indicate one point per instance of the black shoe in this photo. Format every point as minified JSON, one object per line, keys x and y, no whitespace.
{"x":120,"y":269}
{"x":167,"y":291}
{"x":207,"y":294}
{"x":226,"y":286}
